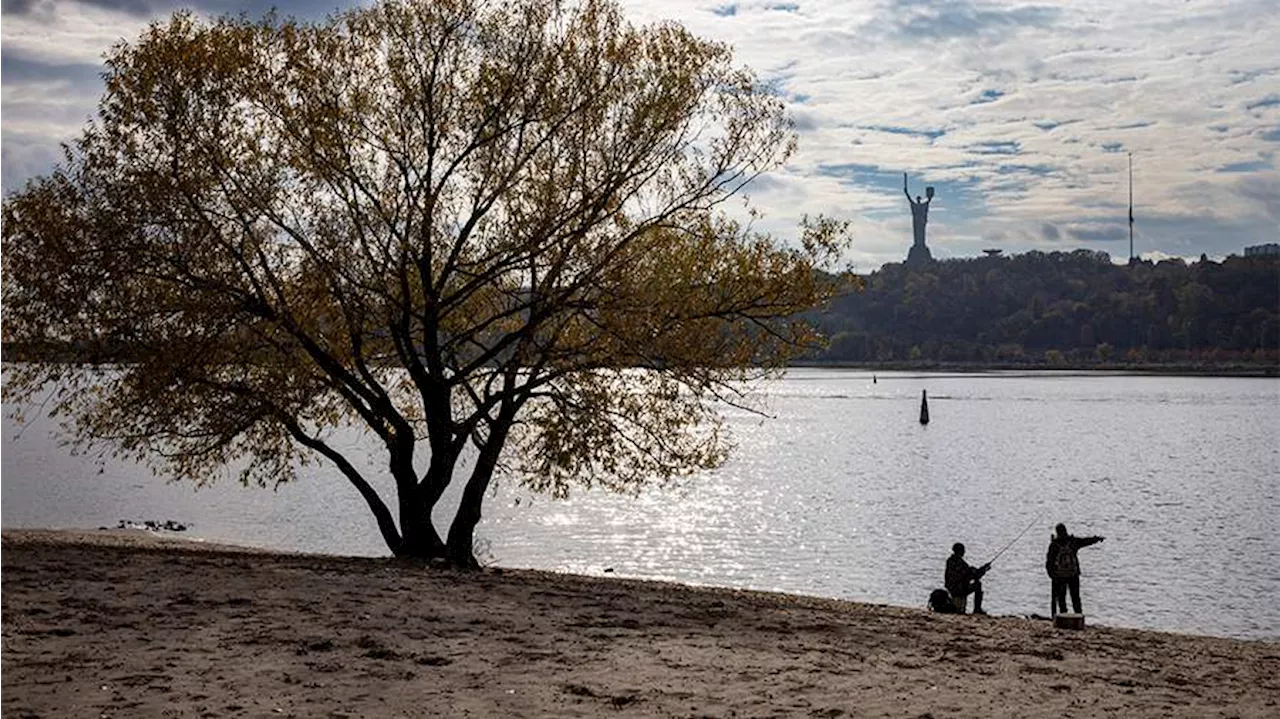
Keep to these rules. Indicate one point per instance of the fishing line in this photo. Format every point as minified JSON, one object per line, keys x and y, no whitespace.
{"x":1015,"y":539}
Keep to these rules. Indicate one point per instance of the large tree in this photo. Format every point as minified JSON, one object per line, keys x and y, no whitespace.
{"x":450,"y":223}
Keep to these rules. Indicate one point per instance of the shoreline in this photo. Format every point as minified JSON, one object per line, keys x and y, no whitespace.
{"x":143,"y":539}
{"x":113,"y":623}
{"x":1258,"y":370}
{"x":1154,"y":369}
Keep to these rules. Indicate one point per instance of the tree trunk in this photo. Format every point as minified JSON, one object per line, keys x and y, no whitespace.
{"x":386,"y":523}
{"x":421,"y":541}
{"x":419,"y":538}
{"x":461,"y":543}
{"x":461,"y":540}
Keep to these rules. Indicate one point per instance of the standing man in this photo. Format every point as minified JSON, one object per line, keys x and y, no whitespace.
{"x":1063,"y":567}
{"x":961,"y":580}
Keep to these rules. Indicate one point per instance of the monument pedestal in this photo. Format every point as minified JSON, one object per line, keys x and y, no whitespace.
{"x":919,"y":255}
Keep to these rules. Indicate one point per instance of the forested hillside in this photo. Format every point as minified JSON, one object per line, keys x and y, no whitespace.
{"x":1060,"y":308}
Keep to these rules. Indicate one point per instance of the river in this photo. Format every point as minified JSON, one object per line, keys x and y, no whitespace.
{"x":840,"y":492}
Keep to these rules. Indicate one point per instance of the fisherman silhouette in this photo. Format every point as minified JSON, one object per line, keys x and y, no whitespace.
{"x":962,"y":580}
{"x":1063,"y":568}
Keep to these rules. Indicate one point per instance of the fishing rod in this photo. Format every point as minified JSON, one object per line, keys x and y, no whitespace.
{"x":1015,"y":539}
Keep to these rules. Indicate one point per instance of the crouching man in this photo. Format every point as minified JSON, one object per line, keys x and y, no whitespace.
{"x":961,"y":580}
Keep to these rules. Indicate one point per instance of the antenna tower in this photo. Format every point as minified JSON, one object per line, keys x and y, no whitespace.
{"x":1130,"y":208}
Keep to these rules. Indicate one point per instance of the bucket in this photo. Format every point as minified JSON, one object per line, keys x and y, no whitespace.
{"x":1069,"y":621}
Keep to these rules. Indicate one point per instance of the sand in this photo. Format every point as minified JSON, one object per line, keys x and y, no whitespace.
{"x":122,"y":624}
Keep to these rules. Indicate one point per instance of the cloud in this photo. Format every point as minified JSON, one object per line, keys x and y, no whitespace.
{"x":25,"y":155}
{"x":987,"y":96}
{"x":1097,"y":232}
{"x":1021,"y":113}
{"x":947,"y":19}
{"x":1261,"y":193}
{"x":24,"y":71}
{"x":996,"y":147}
{"x":1267,"y":102}
{"x":1251,"y":166}
{"x":52,"y":59}
{"x":930,"y":134}
{"x":1157,"y":256}
{"x":39,"y":8}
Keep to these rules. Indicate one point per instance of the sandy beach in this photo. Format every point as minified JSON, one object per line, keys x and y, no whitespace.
{"x":126,"y":624}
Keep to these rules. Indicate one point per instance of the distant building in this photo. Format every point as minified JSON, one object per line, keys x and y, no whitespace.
{"x":1271,"y":249}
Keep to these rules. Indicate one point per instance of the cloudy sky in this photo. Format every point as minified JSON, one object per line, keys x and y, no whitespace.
{"x":1021,"y":115}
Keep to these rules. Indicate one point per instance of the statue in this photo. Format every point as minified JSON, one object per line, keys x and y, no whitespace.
{"x":919,"y":219}
{"x":919,"y":211}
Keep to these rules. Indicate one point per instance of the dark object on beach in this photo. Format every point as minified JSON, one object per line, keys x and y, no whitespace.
{"x":152,"y":525}
{"x":1068,"y":620}
{"x":940,"y":602}
{"x":924,"y":406}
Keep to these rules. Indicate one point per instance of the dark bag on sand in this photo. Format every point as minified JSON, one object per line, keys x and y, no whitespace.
{"x":940,"y":601}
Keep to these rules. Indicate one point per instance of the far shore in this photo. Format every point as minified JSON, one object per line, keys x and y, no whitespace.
{"x":11,"y":355}
{"x":124,"y":623}
{"x":1179,"y":369}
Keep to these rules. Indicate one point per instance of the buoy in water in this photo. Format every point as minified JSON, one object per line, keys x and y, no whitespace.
{"x":924,"y":406}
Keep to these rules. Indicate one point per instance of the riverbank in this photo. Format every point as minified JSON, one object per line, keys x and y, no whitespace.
{"x":1065,"y":369}
{"x":124,"y":624}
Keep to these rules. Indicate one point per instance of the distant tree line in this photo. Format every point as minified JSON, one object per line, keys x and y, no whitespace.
{"x":1050,"y":309}
{"x":1060,"y":308}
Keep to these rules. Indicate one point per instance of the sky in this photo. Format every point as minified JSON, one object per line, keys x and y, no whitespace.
{"x":1021,"y":115}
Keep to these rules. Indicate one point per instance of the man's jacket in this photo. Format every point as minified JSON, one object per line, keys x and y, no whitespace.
{"x":959,"y":574}
{"x":1061,"y":562}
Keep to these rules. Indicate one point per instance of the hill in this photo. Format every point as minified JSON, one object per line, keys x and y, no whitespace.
{"x":1060,"y":309}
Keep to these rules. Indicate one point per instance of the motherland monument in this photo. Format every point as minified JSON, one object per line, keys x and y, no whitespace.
{"x":919,"y":253}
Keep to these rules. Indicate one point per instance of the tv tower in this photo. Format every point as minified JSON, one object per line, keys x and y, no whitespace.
{"x":1131,"y":208}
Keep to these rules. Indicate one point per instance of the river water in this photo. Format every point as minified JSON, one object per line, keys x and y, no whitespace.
{"x":839,"y":492}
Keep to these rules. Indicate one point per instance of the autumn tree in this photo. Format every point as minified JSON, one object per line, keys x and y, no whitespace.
{"x":493,"y":228}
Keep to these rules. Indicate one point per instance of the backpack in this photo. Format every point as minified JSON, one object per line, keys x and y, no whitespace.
{"x":940,"y":601}
{"x":1062,"y":560}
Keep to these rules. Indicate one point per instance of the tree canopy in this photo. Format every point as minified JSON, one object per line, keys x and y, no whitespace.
{"x":450,"y":223}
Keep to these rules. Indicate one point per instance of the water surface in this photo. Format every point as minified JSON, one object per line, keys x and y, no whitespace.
{"x":840,"y":492}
